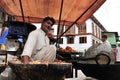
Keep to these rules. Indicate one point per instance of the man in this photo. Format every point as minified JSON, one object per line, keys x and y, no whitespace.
{"x":3,"y":38}
{"x":118,"y":53}
{"x":38,"y":46}
{"x":105,"y":45}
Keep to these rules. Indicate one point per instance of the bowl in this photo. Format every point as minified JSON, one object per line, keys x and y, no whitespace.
{"x":42,"y":71}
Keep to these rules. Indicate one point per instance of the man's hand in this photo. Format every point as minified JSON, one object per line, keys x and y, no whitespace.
{"x":50,"y":35}
{"x":25,"y":59}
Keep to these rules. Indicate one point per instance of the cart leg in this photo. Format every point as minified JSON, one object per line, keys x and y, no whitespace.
{"x":76,"y":73}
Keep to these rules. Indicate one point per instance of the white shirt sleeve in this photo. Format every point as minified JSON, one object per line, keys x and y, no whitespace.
{"x":29,"y":45}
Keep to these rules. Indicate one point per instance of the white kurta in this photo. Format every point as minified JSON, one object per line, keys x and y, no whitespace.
{"x":105,"y":46}
{"x":118,"y":54}
{"x":38,"y":48}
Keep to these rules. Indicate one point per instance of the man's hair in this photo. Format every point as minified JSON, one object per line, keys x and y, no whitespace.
{"x":49,"y":18}
{"x":104,"y":36}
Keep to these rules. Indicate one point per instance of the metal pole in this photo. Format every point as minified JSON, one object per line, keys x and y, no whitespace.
{"x":22,"y":10}
{"x":59,"y":19}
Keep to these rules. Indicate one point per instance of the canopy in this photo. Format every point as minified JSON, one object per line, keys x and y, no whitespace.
{"x":65,"y":11}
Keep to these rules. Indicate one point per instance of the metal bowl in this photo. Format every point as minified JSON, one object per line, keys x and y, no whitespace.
{"x":53,"y":71}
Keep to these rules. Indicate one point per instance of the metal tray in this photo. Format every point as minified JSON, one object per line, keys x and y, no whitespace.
{"x":100,"y":72}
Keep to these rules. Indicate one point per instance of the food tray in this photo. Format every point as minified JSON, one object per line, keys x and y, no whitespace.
{"x":71,"y":56}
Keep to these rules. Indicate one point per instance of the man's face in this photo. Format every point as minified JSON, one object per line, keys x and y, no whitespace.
{"x":119,"y":44}
{"x":47,"y":26}
{"x":103,"y":39}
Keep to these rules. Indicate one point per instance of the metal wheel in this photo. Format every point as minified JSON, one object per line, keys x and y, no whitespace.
{"x":103,"y":58}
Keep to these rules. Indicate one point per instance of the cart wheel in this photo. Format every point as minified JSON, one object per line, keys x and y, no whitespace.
{"x":103,"y":58}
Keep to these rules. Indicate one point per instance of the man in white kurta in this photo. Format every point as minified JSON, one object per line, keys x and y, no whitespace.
{"x":38,"y":47}
{"x":118,"y":52}
{"x":105,"y":46}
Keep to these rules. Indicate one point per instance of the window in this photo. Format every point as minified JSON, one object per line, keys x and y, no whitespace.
{"x":60,"y":41}
{"x":93,"y":42}
{"x":96,"y":30}
{"x":97,"y":42}
{"x":93,"y":28}
{"x":71,"y":31}
{"x":82,"y":29}
{"x":61,"y":27}
{"x":82,"y":39}
{"x":70,"y":40}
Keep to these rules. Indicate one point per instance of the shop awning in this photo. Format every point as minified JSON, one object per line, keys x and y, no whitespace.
{"x":36,"y":10}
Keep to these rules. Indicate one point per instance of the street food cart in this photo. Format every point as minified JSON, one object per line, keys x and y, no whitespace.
{"x":65,"y":12}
